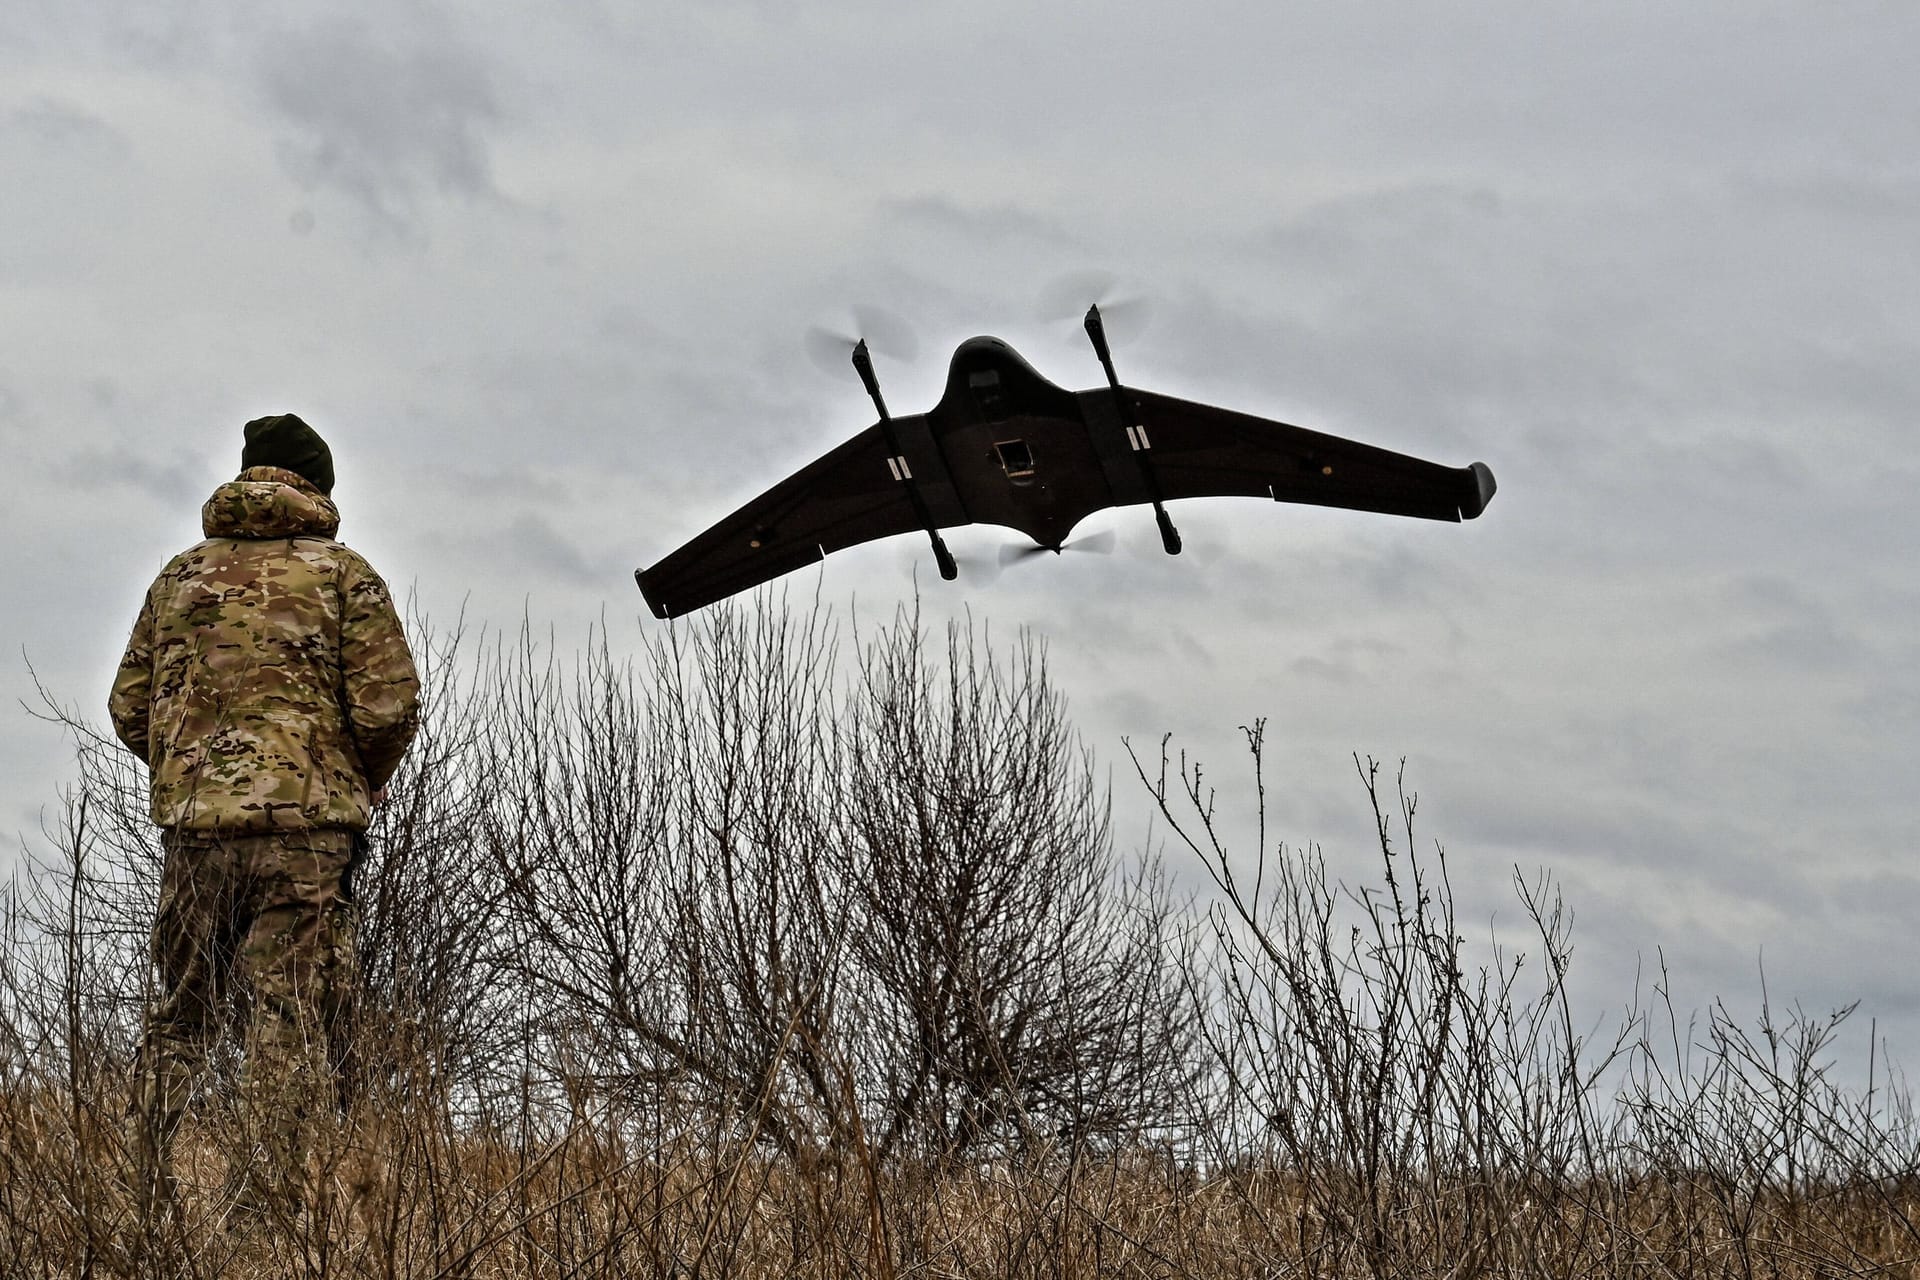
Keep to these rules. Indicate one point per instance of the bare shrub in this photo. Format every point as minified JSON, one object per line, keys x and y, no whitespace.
{"x":658,"y":846}
{"x":890,"y":916}
{"x":759,"y":953}
{"x":1411,"y":1106}
{"x":1027,"y":990}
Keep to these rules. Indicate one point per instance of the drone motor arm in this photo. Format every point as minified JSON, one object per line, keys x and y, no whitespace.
{"x":897,"y":462}
{"x":1136,"y":434}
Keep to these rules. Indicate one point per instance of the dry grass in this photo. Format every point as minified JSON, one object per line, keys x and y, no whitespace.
{"x":734,"y":965}
{"x":593,"y":1202}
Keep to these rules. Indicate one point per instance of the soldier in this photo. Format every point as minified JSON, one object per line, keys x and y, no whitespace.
{"x":269,"y":688}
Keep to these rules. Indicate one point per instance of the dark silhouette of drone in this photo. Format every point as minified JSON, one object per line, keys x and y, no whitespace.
{"x":1005,"y":446}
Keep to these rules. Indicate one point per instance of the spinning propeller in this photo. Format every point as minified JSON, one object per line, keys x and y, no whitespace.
{"x":982,"y":570}
{"x":1126,"y":308}
{"x":1099,"y":544}
{"x":829,"y":347}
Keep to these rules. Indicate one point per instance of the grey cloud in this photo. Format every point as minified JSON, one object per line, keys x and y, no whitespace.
{"x":496,"y":484}
{"x":1438,"y":302}
{"x":1714,"y":871}
{"x":1346,"y":660}
{"x":1615,"y":831}
{"x":1345,"y":233}
{"x":173,"y":37}
{"x":1888,"y":900}
{"x":180,"y":36}
{"x":381,"y":125}
{"x":1399,"y":575}
{"x":1834,"y":192}
{"x":989,"y":222}
{"x":176,"y":479}
{"x":623,"y":322}
{"x":55,"y":122}
{"x":1780,"y":622}
{"x":13,"y":408}
{"x":527,"y":384}
{"x":1810,"y":644}
{"x":534,"y":542}
{"x":1890,"y":706}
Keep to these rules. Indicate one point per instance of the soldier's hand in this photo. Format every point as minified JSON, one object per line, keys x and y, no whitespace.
{"x":379,"y":797}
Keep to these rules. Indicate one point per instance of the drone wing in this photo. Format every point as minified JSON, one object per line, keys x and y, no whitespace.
{"x":1199,"y":451}
{"x":851,"y":495}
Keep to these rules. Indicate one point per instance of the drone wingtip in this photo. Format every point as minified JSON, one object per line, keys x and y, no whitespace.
{"x":1483,"y":486}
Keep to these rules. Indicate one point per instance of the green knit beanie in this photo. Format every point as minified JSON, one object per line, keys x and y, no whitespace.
{"x":283,"y":440}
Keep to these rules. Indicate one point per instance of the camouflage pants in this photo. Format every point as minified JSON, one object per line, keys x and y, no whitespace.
{"x":261,"y":923}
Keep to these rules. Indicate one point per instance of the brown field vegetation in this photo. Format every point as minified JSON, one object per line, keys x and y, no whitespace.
{"x":777,"y":953}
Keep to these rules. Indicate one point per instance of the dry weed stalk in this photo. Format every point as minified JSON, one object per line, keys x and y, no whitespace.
{"x":762,"y":955}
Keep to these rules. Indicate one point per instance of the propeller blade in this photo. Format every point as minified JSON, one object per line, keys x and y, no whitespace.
{"x":1125,"y":308}
{"x":978,"y":571}
{"x":830,"y":352}
{"x":1068,"y":295}
{"x":886,"y":333}
{"x":831,"y":345}
{"x":1099,"y":544}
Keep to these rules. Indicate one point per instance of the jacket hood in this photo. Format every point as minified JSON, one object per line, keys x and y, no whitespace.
{"x":269,"y":502}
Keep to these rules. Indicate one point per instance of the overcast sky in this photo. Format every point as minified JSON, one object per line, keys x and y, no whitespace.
{"x":541,"y":275}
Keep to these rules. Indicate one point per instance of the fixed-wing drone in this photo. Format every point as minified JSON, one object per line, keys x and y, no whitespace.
{"x":1005,"y":446}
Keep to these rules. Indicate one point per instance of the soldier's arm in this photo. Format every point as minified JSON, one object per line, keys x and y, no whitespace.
{"x":382,"y":687}
{"x":130,"y":705}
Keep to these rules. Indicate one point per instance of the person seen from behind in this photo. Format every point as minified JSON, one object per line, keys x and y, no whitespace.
{"x":269,"y":688}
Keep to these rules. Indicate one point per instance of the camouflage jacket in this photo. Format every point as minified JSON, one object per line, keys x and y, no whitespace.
{"x":268,"y":684}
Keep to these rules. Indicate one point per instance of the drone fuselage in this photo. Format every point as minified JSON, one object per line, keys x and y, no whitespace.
{"x":1017,"y":450}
